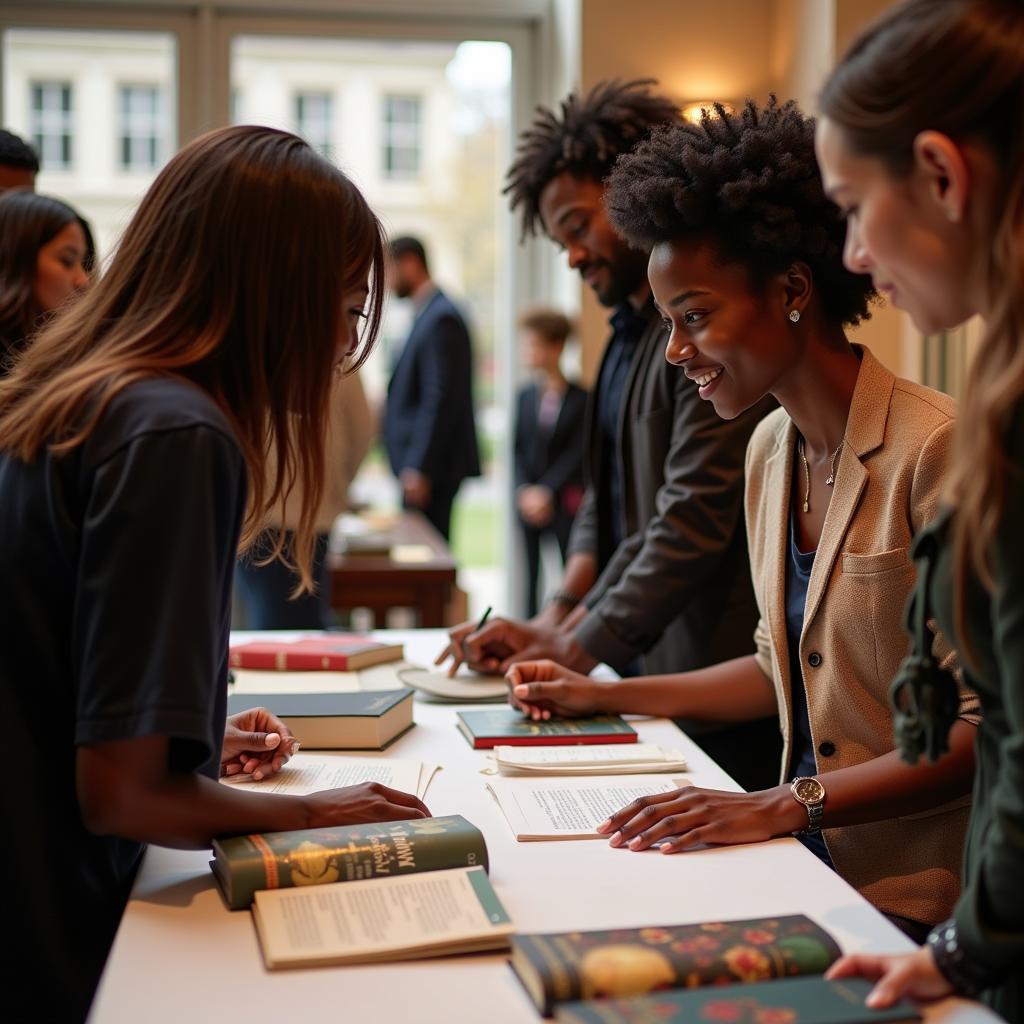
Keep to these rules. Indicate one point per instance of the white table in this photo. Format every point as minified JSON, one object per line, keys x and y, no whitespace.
{"x":180,"y":956}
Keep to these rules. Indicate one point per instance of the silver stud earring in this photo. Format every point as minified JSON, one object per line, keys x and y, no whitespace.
{"x":794,"y":316}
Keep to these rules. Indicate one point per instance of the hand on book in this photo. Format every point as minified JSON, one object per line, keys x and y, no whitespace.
{"x":365,"y":802}
{"x":257,"y":743}
{"x":911,"y":974}
{"x":541,"y":689}
{"x":692,"y":816}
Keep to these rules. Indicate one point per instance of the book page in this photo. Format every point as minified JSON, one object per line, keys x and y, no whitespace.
{"x":376,"y":677}
{"x":570,"y":808}
{"x":600,"y":759}
{"x":310,"y":773}
{"x":361,"y":921}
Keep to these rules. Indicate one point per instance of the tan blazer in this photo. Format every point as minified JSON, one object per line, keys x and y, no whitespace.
{"x":888,"y":483}
{"x":349,"y":435}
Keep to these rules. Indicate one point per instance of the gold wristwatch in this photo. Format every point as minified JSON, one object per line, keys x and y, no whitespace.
{"x":808,"y":791}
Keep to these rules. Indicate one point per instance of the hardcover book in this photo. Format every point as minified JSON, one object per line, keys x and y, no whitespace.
{"x":508,"y":727}
{"x":336,"y":721}
{"x":338,"y":652}
{"x":784,"y":1001}
{"x":564,"y":967}
{"x":245,"y":865}
{"x":380,"y":919}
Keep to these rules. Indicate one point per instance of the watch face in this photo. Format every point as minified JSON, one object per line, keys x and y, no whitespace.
{"x":809,"y":791}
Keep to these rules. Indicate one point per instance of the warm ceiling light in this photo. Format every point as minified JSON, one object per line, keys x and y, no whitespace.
{"x":694,"y":111}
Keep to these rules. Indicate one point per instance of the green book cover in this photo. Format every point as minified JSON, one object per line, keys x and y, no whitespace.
{"x":785,"y":1001}
{"x":508,"y":726}
{"x":565,"y":966}
{"x":346,"y":853}
{"x":364,"y":704}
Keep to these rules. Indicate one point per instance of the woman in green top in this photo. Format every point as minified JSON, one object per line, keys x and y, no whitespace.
{"x":921,"y":145}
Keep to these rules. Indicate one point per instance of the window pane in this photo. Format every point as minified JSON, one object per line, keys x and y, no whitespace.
{"x":314,"y":120}
{"x":101,"y":107}
{"x":143,"y":127}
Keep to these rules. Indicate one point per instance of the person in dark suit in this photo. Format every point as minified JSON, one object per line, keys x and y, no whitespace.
{"x":549,"y":443}
{"x":429,"y":429}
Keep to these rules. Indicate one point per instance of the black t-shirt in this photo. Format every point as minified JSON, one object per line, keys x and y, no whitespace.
{"x":115,"y":588}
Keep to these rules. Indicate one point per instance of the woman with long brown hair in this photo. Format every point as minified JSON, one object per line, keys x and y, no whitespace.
{"x":46,"y":256}
{"x":922,"y":146}
{"x":134,"y":433}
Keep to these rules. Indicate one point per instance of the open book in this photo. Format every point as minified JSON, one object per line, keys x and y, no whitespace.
{"x":590,"y":976}
{"x":311,"y":773}
{"x":570,"y":808}
{"x":441,"y":912}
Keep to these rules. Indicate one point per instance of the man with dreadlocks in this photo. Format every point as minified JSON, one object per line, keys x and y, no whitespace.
{"x":657,"y":577}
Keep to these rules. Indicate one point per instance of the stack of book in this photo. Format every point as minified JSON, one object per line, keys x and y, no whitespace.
{"x":364,"y":893}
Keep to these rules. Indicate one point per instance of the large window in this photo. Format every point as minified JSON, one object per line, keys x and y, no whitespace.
{"x":50,"y":118}
{"x":314,"y":120}
{"x":142,"y":130}
{"x":101,"y":107}
{"x":402,"y":116}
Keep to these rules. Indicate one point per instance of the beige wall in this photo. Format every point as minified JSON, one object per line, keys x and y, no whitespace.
{"x":730,"y":50}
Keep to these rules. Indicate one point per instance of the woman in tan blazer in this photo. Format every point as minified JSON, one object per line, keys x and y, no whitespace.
{"x":746,"y":267}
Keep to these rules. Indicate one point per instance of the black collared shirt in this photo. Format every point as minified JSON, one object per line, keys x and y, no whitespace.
{"x":628,"y":327}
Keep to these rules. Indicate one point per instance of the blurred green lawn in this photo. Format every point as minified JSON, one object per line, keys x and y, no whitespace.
{"x":475,"y":534}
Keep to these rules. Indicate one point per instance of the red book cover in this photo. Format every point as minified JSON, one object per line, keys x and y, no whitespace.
{"x":337,"y":652}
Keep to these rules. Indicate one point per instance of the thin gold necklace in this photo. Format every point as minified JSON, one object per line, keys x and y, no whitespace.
{"x":807,"y":470}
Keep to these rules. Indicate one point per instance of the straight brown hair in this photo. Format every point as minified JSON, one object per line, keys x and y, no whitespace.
{"x":229,"y":275}
{"x":957,"y":67}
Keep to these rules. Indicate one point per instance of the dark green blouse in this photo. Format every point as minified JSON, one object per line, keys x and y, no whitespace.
{"x":989,"y":918}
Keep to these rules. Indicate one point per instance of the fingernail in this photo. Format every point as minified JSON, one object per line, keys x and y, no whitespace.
{"x":604,"y":826}
{"x":616,"y":839}
{"x":272,"y":740}
{"x":520,"y":690}
{"x":635,"y":843}
{"x":874,"y":999}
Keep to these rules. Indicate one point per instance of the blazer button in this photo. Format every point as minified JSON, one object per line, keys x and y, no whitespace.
{"x":814,"y":659}
{"x":826,"y":749}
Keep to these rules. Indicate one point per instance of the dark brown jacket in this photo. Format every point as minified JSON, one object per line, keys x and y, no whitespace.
{"x":677,"y":589}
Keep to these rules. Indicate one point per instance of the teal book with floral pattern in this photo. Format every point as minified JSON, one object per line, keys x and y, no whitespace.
{"x":566,"y":966}
{"x":784,"y":1001}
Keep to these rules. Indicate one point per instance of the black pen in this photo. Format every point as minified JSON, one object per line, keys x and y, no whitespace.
{"x":483,"y":620}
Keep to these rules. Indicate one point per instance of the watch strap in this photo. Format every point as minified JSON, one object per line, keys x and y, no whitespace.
{"x":968,"y":978}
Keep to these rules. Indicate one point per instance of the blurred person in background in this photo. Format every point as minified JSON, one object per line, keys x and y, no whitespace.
{"x":429,"y":428}
{"x":46,"y":255}
{"x":19,"y":162}
{"x":548,"y":443}
{"x":268,"y":589}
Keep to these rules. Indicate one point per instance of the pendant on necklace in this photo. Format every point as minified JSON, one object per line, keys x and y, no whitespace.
{"x":830,"y":480}
{"x":807,"y":506}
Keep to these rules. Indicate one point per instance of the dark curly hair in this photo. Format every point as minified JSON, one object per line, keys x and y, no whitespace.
{"x":585,"y":138}
{"x":749,"y":183}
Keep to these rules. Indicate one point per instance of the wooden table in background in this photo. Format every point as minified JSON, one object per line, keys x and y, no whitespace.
{"x":379,"y":582}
